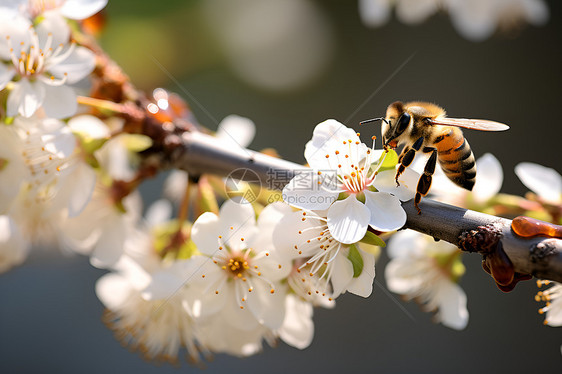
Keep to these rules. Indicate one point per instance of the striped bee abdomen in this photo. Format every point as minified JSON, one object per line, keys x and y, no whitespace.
{"x":456,"y":158}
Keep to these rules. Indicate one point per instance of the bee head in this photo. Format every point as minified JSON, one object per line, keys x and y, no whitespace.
{"x":396,"y":123}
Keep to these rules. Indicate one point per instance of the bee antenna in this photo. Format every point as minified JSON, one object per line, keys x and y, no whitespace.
{"x":373,"y":120}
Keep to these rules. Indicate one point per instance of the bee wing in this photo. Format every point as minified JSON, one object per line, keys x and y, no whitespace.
{"x":475,"y":124}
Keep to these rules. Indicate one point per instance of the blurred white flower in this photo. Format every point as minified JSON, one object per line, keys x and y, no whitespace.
{"x":147,"y":310}
{"x":478,"y":19}
{"x":274,"y":45}
{"x":41,"y":66}
{"x":59,"y":183}
{"x":545,"y":182}
{"x":333,"y":266}
{"x":427,"y":272}
{"x":341,"y":163}
{"x":73,"y":9}
{"x":12,"y":166}
{"x":553,"y":298}
{"x":105,"y":228}
{"x":239,"y":270}
{"x":14,"y":247}
{"x":475,"y":20}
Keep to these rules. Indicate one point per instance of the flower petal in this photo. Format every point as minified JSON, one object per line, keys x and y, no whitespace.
{"x":79,"y":64}
{"x":25,"y":98}
{"x":489,"y":178}
{"x":363,"y":284}
{"x":326,"y":135}
{"x":236,"y":131}
{"x":81,"y":9}
{"x":60,"y":101}
{"x":304,"y":191}
{"x":6,"y":75}
{"x":386,"y":182}
{"x":342,"y":273}
{"x":113,"y":290}
{"x":374,"y":13}
{"x":452,"y":305}
{"x":545,"y":182}
{"x":387,"y":213}
{"x":298,"y":328}
{"x":348,"y":220}
{"x":205,"y":233}
{"x":237,"y":224}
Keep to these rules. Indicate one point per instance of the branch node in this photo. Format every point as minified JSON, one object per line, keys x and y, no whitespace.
{"x":483,"y":240}
{"x":540,"y":252}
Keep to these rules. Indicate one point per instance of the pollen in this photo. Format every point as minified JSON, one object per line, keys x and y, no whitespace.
{"x":279,"y":266}
{"x":203,"y":276}
{"x":241,"y":239}
{"x":216,"y":292}
{"x":272,"y":290}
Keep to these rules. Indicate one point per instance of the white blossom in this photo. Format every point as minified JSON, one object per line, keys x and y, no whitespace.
{"x":41,"y":64}
{"x":553,"y":298}
{"x":239,"y":269}
{"x":427,"y":271}
{"x":14,"y":247}
{"x":328,"y":266}
{"x":73,"y":9}
{"x":342,"y":164}
{"x":545,"y":182}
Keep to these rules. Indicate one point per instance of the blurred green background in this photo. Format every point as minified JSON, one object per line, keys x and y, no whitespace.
{"x":294,"y":64}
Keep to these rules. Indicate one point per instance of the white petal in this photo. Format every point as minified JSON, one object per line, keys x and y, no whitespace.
{"x":81,"y":9}
{"x":89,"y":127}
{"x":545,"y":182}
{"x":363,"y":284}
{"x":79,"y":64}
{"x":402,"y":278}
{"x":387,"y":213}
{"x":25,"y":98}
{"x":298,"y":328}
{"x":342,"y":273}
{"x":406,"y":243}
{"x":18,"y":30}
{"x":385,"y":181}
{"x":303,"y":191}
{"x":237,"y":224}
{"x":113,"y":290}
{"x":452,"y":305}
{"x":205,"y":233}
{"x":348,"y":220}
{"x":489,"y":178}
{"x":80,"y":192}
{"x":158,"y":212}
{"x":267,"y":307}
{"x":415,"y":11}
{"x":475,"y":20}
{"x":286,"y":235}
{"x":163,"y":284}
{"x":53,"y":24}
{"x":6,"y":75}
{"x":110,"y":246}
{"x":234,"y":316}
{"x":374,"y":12}
{"x":236,"y":131}
{"x":325,"y":136}
{"x":60,"y":101}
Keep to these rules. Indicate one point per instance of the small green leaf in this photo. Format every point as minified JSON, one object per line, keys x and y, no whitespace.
{"x":356,"y":260}
{"x":373,"y":239}
{"x":136,"y":142}
{"x":389,"y":160}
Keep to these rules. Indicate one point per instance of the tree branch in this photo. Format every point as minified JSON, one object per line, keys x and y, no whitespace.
{"x":198,"y":154}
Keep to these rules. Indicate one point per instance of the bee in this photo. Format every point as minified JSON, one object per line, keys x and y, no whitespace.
{"x":425,"y":126}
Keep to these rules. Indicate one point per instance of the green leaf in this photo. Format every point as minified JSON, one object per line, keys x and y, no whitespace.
{"x":356,"y":260}
{"x":389,"y":160}
{"x":373,"y":239}
{"x":136,"y":142}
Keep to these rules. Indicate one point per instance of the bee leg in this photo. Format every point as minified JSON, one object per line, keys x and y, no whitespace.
{"x":407,"y":157}
{"x":425,"y":180}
